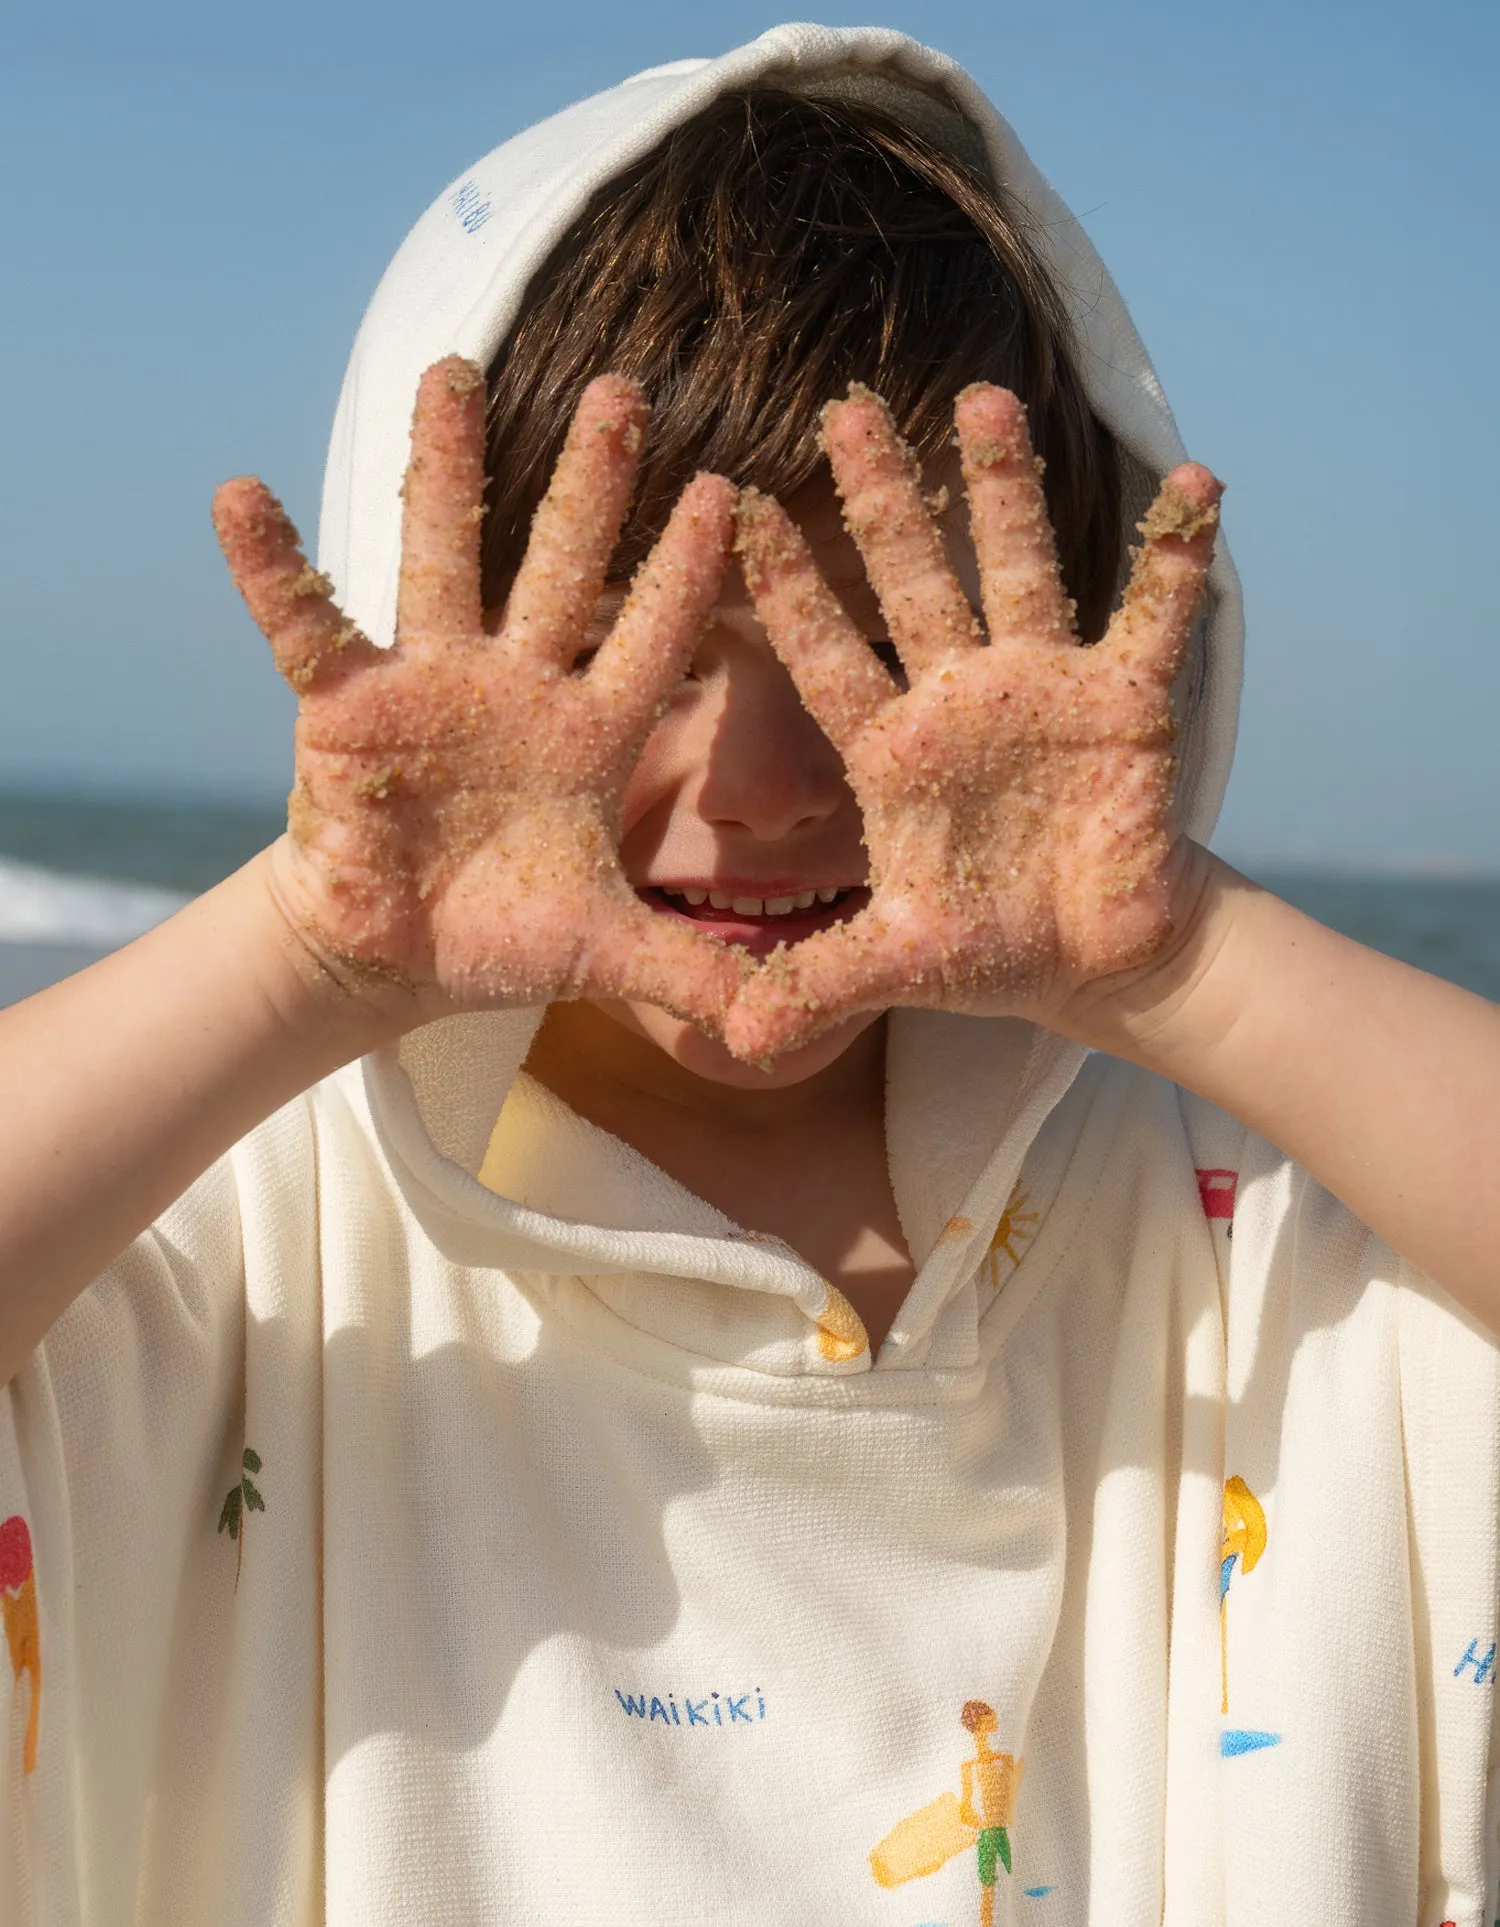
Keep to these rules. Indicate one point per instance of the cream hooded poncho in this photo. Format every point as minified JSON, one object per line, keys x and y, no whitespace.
{"x":381,"y":1545}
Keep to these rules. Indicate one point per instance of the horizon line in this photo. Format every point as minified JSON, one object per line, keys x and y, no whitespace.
{"x":1415,"y":866}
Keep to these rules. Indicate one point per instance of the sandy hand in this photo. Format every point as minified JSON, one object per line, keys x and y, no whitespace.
{"x":455,"y":814}
{"x":1017,"y":795}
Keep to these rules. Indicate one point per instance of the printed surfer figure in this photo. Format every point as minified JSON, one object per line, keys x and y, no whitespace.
{"x":980,"y":1817}
{"x":1245,"y":1541}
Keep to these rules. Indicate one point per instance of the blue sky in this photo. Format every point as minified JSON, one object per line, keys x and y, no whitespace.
{"x":1297,"y":201}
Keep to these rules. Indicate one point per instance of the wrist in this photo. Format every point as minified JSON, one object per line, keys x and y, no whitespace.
{"x":332,"y":1012}
{"x":1179,"y":1001}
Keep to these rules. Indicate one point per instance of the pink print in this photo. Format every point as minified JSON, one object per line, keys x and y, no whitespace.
{"x":1216,"y":1189}
{"x":18,"y":1611}
{"x":15,"y":1553}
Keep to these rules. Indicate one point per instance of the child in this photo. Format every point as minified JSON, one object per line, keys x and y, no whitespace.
{"x":696,"y":1430}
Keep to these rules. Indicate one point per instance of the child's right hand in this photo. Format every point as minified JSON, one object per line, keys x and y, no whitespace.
{"x":455,"y":815}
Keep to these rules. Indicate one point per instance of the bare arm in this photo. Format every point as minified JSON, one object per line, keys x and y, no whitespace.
{"x":122,"y":1085}
{"x":452,"y":844}
{"x":1382,"y":1081}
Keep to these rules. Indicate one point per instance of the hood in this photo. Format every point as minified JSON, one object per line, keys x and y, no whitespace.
{"x":965,"y":1096}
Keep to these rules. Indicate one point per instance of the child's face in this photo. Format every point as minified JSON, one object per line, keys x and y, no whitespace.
{"x":740,"y":796}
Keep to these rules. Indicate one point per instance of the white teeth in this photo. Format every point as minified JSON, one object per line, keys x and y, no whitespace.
{"x":755,"y":906}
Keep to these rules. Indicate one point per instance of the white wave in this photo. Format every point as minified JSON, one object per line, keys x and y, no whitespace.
{"x":41,"y":906}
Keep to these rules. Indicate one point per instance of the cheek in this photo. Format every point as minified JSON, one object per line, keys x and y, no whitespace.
{"x":640,"y":793}
{"x":665,"y":764}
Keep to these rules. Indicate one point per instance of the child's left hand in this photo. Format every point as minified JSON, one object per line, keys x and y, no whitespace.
{"x":1024,"y":859}
{"x":1018,"y":796}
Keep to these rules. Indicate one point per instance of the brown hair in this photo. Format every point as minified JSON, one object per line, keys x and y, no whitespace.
{"x":771,"y":251}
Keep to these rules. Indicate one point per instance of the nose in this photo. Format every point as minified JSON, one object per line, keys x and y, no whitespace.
{"x":770,"y":770}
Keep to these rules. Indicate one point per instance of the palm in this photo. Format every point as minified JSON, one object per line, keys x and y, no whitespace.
{"x":1017,"y":796}
{"x":1036,"y":757}
{"x":455,"y":863}
{"x":456,"y":806}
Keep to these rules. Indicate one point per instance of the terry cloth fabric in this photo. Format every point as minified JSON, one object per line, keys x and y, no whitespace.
{"x":440,"y":1515}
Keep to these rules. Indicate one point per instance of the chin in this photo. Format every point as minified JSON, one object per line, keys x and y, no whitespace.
{"x":707,"y":1058}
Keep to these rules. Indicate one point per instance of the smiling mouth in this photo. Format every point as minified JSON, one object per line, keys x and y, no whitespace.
{"x":757,"y":923}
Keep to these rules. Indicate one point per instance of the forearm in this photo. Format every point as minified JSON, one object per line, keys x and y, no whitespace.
{"x":1382,"y":1081}
{"x":120,"y":1086}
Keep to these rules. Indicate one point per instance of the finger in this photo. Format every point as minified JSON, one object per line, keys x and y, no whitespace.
{"x":443,"y":495}
{"x":806,"y":989}
{"x":877,"y":479}
{"x":642,"y":659}
{"x":291,"y":603}
{"x":575,"y":529}
{"x":1154,"y":620}
{"x":1018,"y":576}
{"x":652,"y":957}
{"x":837,"y":674}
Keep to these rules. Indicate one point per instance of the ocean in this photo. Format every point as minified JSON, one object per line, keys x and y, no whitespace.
{"x":79,"y":875}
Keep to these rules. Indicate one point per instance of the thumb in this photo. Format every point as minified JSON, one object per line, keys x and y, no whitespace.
{"x":802,"y":991}
{"x":650,"y":958}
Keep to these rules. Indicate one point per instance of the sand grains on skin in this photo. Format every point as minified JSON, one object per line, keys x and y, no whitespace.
{"x":1017,"y":796}
{"x":456,"y":799}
